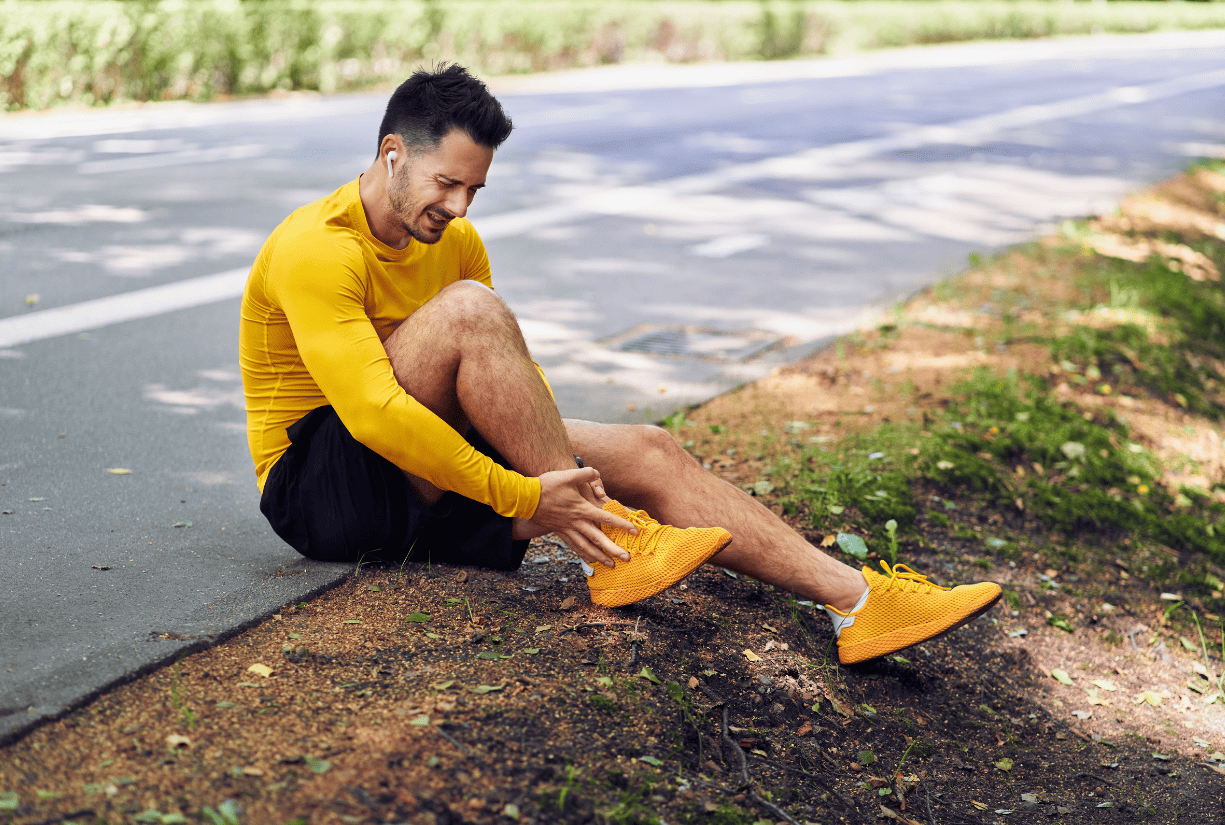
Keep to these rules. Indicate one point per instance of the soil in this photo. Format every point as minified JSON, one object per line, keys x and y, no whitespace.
{"x":440,"y":695}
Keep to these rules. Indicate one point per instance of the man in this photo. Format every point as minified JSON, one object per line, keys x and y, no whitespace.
{"x":393,"y":408}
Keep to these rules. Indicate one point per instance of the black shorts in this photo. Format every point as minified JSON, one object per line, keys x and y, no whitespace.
{"x":332,"y":498}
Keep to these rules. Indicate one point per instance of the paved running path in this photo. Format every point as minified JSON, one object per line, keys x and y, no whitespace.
{"x":663,"y":232}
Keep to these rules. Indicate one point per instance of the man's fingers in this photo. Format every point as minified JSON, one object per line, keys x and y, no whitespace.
{"x":605,"y":517}
{"x":585,"y":550}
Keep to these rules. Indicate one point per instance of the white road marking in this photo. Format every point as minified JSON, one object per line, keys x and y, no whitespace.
{"x":811,"y":163}
{"x":127,"y":306}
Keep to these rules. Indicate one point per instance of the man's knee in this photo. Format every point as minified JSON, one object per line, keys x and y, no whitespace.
{"x":470,"y":304}
{"x":656,"y":446}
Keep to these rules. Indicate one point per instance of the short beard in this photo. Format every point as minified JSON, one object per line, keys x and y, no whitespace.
{"x":401,"y":203}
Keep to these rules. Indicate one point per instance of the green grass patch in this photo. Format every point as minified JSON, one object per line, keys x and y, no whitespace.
{"x":1021,"y":446}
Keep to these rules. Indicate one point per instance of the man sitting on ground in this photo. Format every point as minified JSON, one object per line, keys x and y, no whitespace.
{"x":393,"y":409}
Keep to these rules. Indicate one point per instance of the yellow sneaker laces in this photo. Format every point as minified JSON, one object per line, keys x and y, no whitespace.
{"x":904,"y":578}
{"x":649,"y":531}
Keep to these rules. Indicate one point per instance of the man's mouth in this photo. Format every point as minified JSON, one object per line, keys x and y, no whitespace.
{"x":438,"y":219}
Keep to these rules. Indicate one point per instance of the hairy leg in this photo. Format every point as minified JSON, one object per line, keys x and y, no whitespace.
{"x":462,"y":356}
{"x":643,"y":467}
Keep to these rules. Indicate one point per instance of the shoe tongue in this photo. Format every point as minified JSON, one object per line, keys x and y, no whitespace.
{"x":617,"y":509}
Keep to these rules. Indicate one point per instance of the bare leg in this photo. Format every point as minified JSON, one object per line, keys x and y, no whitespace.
{"x":645,"y":468}
{"x":462,"y":356}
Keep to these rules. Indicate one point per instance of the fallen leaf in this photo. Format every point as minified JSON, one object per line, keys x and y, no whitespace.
{"x":751,"y":656}
{"x":542,"y":628}
{"x":181,"y":524}
{"x":1149,"y":696}
{"x":247,"y":771}
{"x":417,"y":617}
{"x":1061,"y":623}
{"x":647,"y":674}
{"x":829,"y":540}
{"x":317,"y":765}
{"x":978,"y":805}
{"x":567,"y":603}
{"x":853,"y":545}
{"x":1105,"y":684}
{"x":1061,"y":676}
{"x":260,"y":670}
{"x":1004,"y":764}
{"x":420,"y":721}
{"x":805,"y":729}
{"x":693,"y":682}
{"x":531,"y":651}
{"x":118,"y":471}
{"x":1082,"y":715}
{"x":352,"y":621}
{"x":651,"y":760}
{"x":443,"y":685}
{"x":486,"y":688}
{"x":1094,"y":699}
{"x":1032,"y":799}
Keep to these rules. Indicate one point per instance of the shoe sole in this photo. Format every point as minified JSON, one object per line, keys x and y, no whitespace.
{"x":908,"y":636}
{"x":628,"y":595}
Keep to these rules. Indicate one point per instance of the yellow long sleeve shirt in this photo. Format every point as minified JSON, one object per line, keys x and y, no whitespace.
{"x":322,"y":297}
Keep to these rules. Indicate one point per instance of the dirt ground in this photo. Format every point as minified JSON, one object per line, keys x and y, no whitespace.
{"x":433,"y":695}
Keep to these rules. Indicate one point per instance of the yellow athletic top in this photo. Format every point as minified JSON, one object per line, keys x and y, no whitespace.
{"x":322,"y":297}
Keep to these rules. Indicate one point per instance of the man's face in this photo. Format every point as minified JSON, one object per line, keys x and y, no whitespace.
{"x":432,"y":188}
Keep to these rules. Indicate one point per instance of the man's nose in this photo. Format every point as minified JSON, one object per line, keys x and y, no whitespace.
{"x":457,"y":203}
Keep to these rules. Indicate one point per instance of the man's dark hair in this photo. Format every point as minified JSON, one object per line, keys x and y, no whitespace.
{"x":430,"y":104}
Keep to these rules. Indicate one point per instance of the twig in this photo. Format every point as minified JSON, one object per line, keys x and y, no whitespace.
{"x":820,"y":780}
{"x":928,"y":800}
{"x":1094,"y":776}
{"x":452,"y":740}
{"x":736,"y":749}
{"x":711,"y":695}
{"x":62,"y":817}
{"x":772,"y":808}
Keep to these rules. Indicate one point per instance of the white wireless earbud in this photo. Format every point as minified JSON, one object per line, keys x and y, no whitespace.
{"x":390,"y":157}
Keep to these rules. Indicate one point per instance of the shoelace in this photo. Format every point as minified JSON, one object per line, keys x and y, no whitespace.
{"x":904,"y":578}
{"x":649,"y":531}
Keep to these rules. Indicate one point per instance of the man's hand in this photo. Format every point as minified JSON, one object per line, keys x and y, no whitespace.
{"x":570,"y":502}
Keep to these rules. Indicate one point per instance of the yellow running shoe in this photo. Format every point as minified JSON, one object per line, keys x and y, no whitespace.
{"x":903,"y":608}
{"x":660,"y":556}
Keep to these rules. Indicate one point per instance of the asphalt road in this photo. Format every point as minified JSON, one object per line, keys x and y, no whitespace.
{"x":664,"y":233}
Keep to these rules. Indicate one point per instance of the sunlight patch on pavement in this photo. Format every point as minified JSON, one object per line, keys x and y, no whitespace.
{"x":85,"y":213}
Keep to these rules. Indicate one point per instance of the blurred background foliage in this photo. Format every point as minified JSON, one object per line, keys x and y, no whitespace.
{"x":96,"y":52}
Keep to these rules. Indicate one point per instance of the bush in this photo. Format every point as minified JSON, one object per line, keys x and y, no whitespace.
{"x":99,"y":51}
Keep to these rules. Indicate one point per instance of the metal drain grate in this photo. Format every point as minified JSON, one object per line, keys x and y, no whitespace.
{"x":694,"y":342}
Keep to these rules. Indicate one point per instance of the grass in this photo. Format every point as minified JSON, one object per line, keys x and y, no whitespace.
{"x":1030,"y":448}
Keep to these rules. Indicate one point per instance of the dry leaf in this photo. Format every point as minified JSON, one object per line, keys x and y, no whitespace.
{"x":1105,"y":684}
{"x":805,"y":729}
{"x":118,"y":471}
{"x":978,"y":805}
{"x":567,"y":603}
{"x":260,"y":670}
{"x":829,"y":540}
{"x":249,"y":771}
{"x":1149,"y":696}
{"x":751,"y":656}
{"x":693,"y":683}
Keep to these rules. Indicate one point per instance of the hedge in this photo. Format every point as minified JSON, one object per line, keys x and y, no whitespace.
{"x":101,"y":51}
